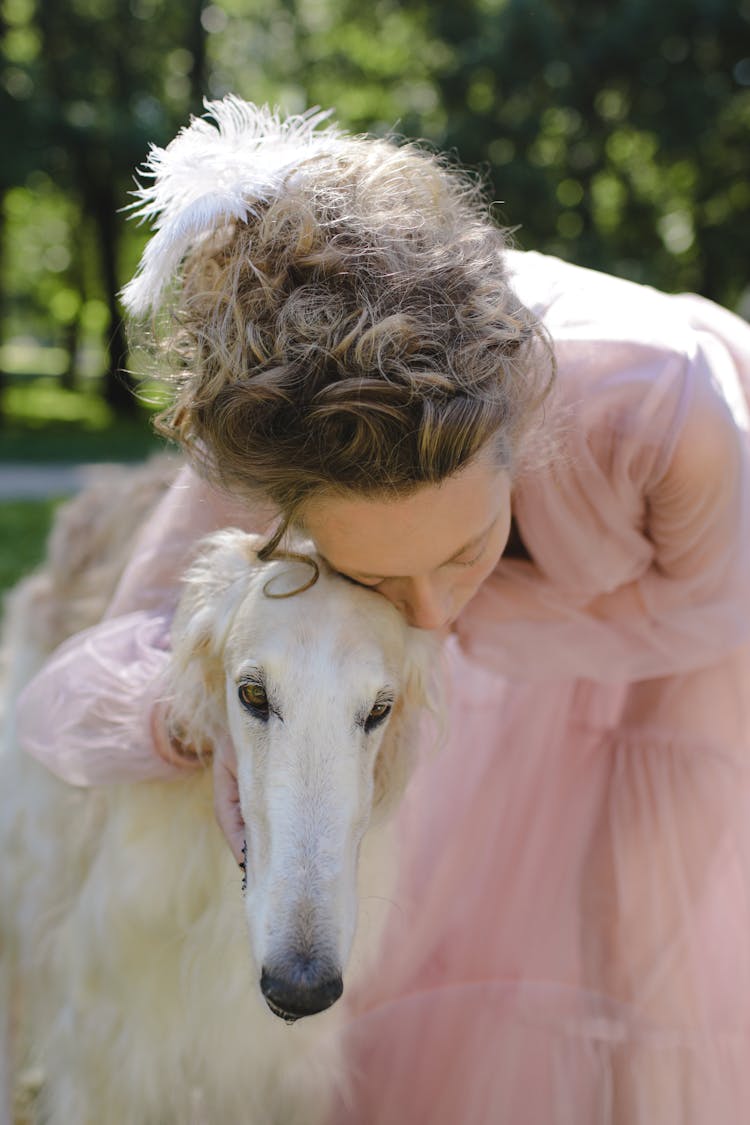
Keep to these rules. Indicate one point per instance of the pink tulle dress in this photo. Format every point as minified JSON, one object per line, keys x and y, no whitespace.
{"x":569,"y":942}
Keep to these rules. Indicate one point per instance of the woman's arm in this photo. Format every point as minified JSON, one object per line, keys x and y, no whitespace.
{"x":690,"y":605}
{"x":96,"y":711}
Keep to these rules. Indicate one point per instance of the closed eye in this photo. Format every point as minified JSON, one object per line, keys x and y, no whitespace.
{"x":476,"y":553}
{"x":466,"y":562}
{"x":478,"y":550}
{"x":369,"y":583}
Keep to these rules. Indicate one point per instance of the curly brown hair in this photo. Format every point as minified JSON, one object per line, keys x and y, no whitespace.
{"x":357,"y":333}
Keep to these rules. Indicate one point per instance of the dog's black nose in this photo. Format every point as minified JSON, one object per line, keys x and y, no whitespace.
{"x":305,"y":988}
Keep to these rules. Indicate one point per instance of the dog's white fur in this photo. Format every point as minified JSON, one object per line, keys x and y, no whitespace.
{"x":123,"y":928}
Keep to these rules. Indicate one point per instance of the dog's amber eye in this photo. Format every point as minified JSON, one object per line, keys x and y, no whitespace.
{"x":378,"y":712}
{"x":254,"y":697}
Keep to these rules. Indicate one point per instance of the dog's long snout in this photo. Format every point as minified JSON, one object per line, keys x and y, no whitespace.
{"x":304,"y":987}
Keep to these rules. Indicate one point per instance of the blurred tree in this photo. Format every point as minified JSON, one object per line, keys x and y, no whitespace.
{"x":3,"y":97}
{"x":615,"y":133}
{"x":17,"y":162}
{"x":87,"y":86}
{"x":104,"y":81}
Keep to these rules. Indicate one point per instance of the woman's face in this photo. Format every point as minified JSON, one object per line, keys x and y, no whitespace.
{"x":428,"y":552}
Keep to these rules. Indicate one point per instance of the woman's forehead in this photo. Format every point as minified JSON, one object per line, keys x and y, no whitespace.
{"x":413,"y":534}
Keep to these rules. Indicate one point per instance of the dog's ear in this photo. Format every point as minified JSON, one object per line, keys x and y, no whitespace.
{"x":213,"y":588}
{"x":417,"y":705}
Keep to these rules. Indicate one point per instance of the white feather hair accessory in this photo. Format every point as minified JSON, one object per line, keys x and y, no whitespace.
{"x":213,"y":173}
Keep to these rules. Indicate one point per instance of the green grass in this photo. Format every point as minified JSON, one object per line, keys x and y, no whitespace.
{"x":24,"y":525}
{"x":43,"y":423}
{"x":121,"y":441}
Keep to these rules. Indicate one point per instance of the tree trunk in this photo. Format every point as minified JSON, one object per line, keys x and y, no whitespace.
{"x":3,"y":373}
{"x":196,"y":44}
{"x":119,"y":386}
{"x":72,"y":331}
{"x":71,"y":340}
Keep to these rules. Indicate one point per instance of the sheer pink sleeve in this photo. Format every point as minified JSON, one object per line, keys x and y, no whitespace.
{"x":86,"y":715}
{"x":647,"y":569}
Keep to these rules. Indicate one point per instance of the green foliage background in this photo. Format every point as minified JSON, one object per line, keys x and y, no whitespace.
{"x":611,"y":132}
{"x":24,"y":526}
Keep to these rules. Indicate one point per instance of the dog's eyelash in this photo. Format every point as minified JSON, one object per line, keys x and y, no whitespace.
{"x":379,"y":712}
{"x":253,"y":698}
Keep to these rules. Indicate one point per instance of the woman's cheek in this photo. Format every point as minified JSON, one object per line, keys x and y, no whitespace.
{"x":472,"y":579}
{"x":469,"y":585}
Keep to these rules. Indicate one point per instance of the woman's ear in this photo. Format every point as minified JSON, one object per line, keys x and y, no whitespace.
{"x":213,"y":588}
{"x":418,"y":701}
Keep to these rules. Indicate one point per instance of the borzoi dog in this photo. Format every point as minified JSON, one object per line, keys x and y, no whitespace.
{"x":137,"y":978}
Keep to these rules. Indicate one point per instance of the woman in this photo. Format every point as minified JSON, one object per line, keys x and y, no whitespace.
{"x":360,"y":356}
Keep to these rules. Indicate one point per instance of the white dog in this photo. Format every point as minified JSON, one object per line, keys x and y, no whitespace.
{"x":135,"y":975}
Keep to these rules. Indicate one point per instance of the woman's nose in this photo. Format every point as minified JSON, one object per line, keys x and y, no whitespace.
{"x":424,"y":603}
